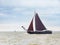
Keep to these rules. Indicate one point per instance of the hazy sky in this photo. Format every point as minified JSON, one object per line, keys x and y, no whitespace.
{"x":14,"y":13}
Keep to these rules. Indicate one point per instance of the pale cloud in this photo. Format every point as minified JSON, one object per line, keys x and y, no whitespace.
{"x":30,"y":3}
{"x":18,"y":9}
{"x":7,"y":15}
{"x":28,"y":13}
{"x":9,"y":2}
{"x":49,"y":11}
{"x":13,"y":27}
{"x":2,"y":14}
{"x":8,"y":27}
{"x":54,"y":28}
{"x":17,"y":27}
{"x":42,"y":6}
{"x":39,"y":3}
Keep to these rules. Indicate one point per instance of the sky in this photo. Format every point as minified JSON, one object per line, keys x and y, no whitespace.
{"x":15,"y":13}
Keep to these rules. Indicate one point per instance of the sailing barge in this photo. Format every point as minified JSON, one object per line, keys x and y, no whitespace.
{"x":39,"y":27}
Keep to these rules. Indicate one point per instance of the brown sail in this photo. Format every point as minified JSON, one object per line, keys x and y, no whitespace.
{"x":30,"y":29}
{"x":38,"y":24}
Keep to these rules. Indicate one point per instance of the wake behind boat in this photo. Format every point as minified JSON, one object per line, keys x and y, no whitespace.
{"x":39,"y":27}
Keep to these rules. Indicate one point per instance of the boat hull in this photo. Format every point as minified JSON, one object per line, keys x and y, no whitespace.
{"x":43,"y":32}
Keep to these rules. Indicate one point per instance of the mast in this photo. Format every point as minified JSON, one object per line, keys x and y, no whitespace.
{"x":38,"y":24}
{"x":30,"y":29}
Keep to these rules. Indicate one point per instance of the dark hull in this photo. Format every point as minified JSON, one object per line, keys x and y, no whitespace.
{"x":43,"y":32}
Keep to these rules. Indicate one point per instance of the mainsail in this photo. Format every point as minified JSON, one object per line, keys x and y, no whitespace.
{"x":30,"y":29}
{"x":38,"y":24}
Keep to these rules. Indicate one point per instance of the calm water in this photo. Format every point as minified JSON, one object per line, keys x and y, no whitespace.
{"x":22,"y":38}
